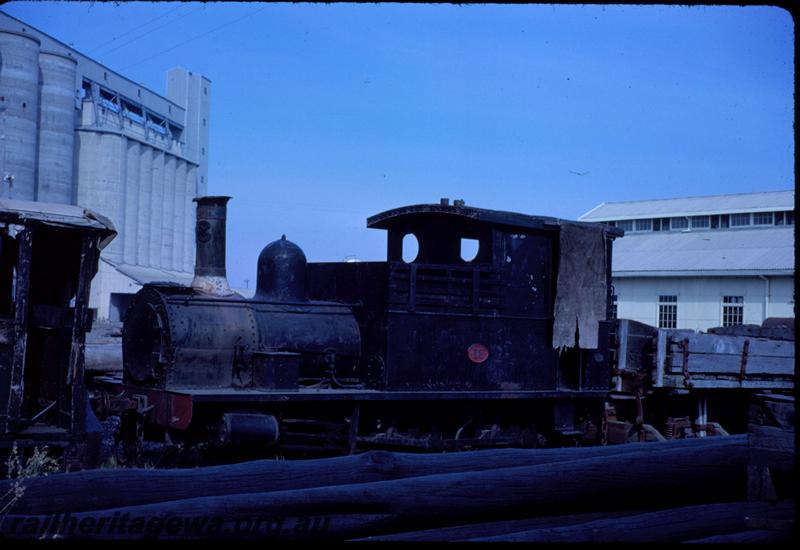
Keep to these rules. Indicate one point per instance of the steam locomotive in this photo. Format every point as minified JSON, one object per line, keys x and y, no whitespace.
{"x":438,"y":350}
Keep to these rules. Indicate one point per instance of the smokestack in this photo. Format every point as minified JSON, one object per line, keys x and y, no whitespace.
{"x":209,"y":264}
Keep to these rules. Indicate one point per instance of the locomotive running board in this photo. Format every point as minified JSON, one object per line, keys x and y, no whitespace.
{"x":255,"y":396}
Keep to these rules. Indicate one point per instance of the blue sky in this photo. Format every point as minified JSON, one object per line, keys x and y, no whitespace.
{"x":323,"y":115}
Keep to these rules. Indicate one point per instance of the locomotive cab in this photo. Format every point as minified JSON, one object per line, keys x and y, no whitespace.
{"x":499,"y":317}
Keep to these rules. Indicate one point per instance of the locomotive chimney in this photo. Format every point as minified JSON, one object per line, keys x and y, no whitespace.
{"x":209,"y":265}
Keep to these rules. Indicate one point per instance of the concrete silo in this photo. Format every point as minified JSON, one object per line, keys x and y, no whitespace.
{"x":56,"y":128}
{"x":19,"y":110}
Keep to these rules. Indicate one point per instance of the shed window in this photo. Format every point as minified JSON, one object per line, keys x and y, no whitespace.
{"x":625,"y":225}
{"x":740,"y":219}
{"x":699,"y":222}
{"x":667,"y":311}
{"x":679,"y":223}
{"x":644,"y":225}
{"x":762,"y":218}
{"x":732,"y":310}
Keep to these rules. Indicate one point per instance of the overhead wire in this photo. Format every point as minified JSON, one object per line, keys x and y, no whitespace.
{"x":151,"y":31}
{"x":201,"y":35}
{"x":154,"y":19}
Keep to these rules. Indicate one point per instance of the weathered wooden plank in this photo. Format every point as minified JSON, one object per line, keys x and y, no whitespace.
{"x":733,"y":345}
{"x":6,"y":333}
{"x":772,"y":447}
{"x":672,"y":525}
{"x":711,"y":382}
{"x":713,"y":363}
{"x":782,"y":330}
{"x":614,"y":483}
{"x":777,"y":397}
{"x":75,"y":366}
{"x":128,"y":487}
{"x":21,"y":307}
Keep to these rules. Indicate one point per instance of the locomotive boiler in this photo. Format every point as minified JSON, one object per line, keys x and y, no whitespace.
{"x":209,"y":341}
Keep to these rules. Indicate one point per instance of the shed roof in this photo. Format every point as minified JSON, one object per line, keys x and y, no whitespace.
{"x":694,"y":206}
{"x":144,"y":275}
{"x":701,"y":253}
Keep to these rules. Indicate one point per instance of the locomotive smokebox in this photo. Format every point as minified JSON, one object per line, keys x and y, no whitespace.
{"x":281,"y":272}
{"x":209,"y":268}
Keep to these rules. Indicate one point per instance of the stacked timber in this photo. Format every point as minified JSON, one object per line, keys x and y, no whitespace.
{"x":673,"y":490}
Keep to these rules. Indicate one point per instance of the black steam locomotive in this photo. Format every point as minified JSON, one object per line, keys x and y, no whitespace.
{"x":432,"y":352}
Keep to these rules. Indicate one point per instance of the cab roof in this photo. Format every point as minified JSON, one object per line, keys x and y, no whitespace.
{"x":470,"y":214}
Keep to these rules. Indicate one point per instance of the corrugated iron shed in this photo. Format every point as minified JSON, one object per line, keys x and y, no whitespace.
{"x":691,"y":206}
{"x":737,"y":252}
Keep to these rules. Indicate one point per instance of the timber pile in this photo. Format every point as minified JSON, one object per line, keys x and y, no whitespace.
{"x":705,"y":490}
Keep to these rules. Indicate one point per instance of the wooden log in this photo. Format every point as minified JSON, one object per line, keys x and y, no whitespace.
{"x":463,"y":532}
{"x":672,"y":525}
{"x":124,"y":526}
{"x":749,"y":536}
{"x":116,"y":488}
{"x":640,"y":480}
